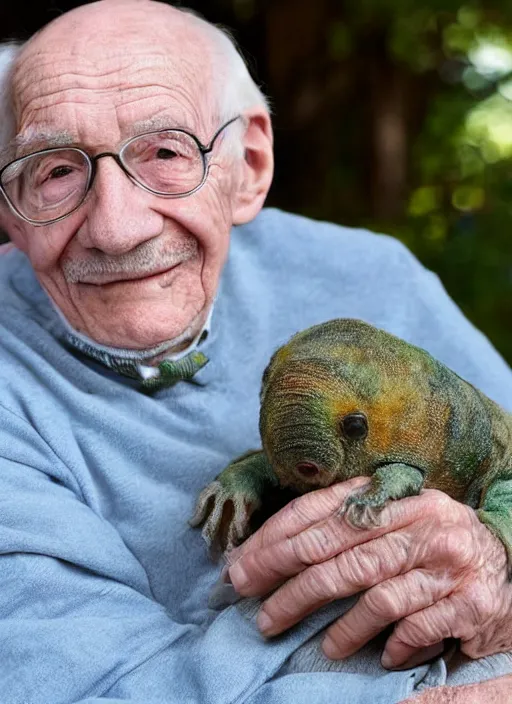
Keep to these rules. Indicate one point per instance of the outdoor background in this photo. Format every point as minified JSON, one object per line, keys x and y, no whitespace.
{"x":390,"y":114}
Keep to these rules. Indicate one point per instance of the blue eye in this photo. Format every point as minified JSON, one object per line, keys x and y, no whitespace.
{"x":354,"y":426}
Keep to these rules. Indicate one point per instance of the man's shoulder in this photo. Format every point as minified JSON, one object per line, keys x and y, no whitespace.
{"x":17,"y":280}
{"x":272,"y":222}
{"x":279,"y":245}
{"x":9,"y":258}
{"x":24,"y":339}
{"x":291,"y":239}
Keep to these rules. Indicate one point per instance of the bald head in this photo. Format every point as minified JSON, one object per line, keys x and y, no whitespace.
{"x":128,"y":28}
{"x":113,"y":17}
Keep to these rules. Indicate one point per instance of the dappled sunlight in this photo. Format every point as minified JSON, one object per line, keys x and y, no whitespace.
{"x":491,"y":59}
{"x":489,"y":127}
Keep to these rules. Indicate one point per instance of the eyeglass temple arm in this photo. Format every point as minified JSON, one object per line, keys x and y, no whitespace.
{"x":208,"y":149}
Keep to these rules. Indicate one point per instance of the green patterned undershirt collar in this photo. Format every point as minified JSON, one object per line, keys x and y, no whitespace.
{"x":177,"y":367}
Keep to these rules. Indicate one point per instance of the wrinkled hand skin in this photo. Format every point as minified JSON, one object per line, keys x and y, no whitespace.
{"x":430,"y":567}
{"x":492,"y":692}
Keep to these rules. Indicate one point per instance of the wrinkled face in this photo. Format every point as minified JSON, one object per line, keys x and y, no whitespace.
{"x":94,"y":83}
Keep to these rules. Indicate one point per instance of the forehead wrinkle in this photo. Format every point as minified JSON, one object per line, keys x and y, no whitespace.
{"x":102,"y":63}
{"x":184,"y":111}
{"x":168,"y":113}
{"x":94,"y":94}
{"x":33,"y":72}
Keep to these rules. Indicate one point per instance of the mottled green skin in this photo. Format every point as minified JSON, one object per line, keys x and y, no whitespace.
{"x":427,"y":428}
{"x":173,"y":371}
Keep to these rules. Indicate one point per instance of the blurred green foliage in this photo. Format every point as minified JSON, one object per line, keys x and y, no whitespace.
{"x":397,"y":115}
{"x":458,"y":215}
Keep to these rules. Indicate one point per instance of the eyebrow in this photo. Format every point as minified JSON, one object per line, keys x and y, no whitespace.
{"x":22,"y":145}
{"x":159,"y":122}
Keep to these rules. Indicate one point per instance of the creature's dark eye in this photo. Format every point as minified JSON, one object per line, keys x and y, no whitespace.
{"x":354,"y":426}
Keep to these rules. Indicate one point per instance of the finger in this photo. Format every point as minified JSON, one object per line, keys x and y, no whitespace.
{"x":346,"y":574}
{"x":420,"y":630}
{"x":382,"y":605}
{"x":261,"y":571}
{"x":298,"y":515}
{"x":258,"y":571}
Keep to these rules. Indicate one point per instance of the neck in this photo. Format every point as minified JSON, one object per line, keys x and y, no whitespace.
{"x":150,"y":356}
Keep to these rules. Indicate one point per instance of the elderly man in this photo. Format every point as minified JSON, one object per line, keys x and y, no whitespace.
{"x":132,"y":347}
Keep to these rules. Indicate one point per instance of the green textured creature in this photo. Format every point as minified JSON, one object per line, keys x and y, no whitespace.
{"x":344,"y":399}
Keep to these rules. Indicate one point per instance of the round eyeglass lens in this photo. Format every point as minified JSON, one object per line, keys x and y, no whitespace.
{"x":168,"y":162}
{"x":47,"y":185}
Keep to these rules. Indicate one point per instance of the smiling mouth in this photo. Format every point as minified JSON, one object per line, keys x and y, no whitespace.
{"x":124,"y":277}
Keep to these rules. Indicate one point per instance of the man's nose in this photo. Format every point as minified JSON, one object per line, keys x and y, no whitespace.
{"x":119,"y":216}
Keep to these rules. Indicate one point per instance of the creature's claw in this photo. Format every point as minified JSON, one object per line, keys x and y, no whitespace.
{"x":362,"y":511}
{"x":225,"y":516}
{"x":389,"y":482}
{"x":361,"y":516}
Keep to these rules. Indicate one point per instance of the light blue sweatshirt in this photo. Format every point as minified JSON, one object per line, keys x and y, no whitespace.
{"x":103,"y":585}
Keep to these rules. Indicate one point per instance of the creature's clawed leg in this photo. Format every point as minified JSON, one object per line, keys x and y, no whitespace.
{"x":225,"y":507}
{"x":496,"y":514}
{"x":391,"y":481}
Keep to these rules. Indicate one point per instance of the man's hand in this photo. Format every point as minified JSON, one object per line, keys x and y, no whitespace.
{"x":431,"y":567}
{"x":497,"y":691}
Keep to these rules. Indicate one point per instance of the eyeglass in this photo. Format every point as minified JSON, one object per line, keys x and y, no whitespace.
{"x":47,"y":186}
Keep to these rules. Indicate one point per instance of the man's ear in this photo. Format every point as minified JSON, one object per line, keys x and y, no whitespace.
{"x":257,"y":169}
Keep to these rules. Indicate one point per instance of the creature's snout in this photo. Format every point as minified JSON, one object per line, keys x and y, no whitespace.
{"x":308,"y":470}
{"x":305,"y":475}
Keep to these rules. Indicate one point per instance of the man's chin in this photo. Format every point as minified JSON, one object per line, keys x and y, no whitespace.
{"x":130,"y":316}
{"x":149,"y":331}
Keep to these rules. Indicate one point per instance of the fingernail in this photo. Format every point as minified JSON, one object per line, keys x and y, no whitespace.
{"x":264,"y":622}
{"x":387,"y":661}
{"x":330,"y":648}
{"x":238,"y":577}
{"x":418,"y":658}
